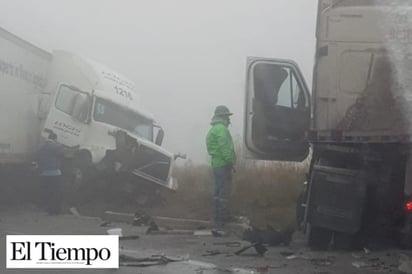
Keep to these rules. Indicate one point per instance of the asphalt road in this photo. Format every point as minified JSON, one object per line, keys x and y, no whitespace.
{"x":198,"y":254}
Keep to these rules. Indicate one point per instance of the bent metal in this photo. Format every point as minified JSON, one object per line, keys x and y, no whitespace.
{"x":50,"y":253}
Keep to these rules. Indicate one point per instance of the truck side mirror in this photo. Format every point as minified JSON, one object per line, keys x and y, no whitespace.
{"x":159,"y":137}
{"x":81,"y":107}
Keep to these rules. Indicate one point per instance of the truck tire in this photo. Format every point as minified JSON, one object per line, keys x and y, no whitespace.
{"x":318,"y":238}
{"x":344,"y":241}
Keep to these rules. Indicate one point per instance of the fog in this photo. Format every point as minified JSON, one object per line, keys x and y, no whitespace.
{"x":185,"y":56}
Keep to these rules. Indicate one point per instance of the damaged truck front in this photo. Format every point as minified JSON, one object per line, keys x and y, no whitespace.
{"x":87,"y":106}
{"x":99,"y":109}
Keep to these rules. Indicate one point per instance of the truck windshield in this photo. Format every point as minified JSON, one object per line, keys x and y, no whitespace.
{"x":116,"y":115}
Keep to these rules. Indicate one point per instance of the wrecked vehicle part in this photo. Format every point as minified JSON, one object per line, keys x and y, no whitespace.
{"x":138,"y":157}
{"x":259,"y":248}
{"x":126,"y":260}
{"x":268,"y":236}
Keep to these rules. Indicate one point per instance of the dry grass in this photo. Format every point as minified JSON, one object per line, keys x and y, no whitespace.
{"x":265,"y":192}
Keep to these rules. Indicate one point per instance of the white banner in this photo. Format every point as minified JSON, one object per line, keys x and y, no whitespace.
{"x":62,"y":251}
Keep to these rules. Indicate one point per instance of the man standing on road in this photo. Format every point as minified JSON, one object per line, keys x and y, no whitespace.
{"x":49,"y":160}
{"x":221,"y":150}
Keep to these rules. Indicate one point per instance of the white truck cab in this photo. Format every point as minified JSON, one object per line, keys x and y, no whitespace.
{"x":89,"y":104}
{"x":356,"y":119}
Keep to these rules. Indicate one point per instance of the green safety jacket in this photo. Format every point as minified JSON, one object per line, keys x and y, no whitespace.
{"x":220,"y":145}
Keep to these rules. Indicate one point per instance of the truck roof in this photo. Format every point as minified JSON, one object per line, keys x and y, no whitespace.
{"x":25,"y":45}
{"x":90,"y":75}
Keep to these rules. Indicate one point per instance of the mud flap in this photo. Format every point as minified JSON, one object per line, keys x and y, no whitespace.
{"x":337,"y":199}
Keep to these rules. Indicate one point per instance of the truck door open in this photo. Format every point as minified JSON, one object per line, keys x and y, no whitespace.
{"x":277,"y":114}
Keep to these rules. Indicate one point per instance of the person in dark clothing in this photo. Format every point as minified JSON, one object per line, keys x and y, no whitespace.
{"x":49,"y":159}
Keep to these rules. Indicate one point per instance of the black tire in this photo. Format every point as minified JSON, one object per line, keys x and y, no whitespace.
{"x":318,"y":238}
{"x":344,"y":241}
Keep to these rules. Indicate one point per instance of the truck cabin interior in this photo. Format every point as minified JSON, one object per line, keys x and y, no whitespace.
{"x":280,"y":107}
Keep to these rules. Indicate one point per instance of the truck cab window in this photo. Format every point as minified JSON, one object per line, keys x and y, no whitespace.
{"x":268,"y":85}
{"x":110,"y":113}
{"x":66,"y":99}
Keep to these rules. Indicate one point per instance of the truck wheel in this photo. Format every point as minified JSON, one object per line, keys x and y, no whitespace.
{"x":318,"y":237}
{"x":344,"y":241}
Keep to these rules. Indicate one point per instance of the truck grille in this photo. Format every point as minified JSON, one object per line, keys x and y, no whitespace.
{"x":151,"y":165}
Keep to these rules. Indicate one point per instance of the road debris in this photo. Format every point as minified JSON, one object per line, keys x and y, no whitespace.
{"x":286,"y":253}
{"x":270,"y":236}
{"x":212,"y":253}
{"x":229,"y":244}
{"x":202,"y":233}
{"x":360,"y":264}
{"x":268,"y":267}
{"x":129,"y":237}
{"x":218,"y":233}
{"x":141,"y":219}
{"x":152,"y":227}
{"x":126,"y":260}
{"x":74,"y":211}
{"x":171,"y":232}
{"x":105,"y":224}
{"x":358,"y":256}
{"x":241,"y":271}
{"x":115,"y":231}
{"x":291,"y":257}
{"x":405,"y":263}
{"x":321,"y":261}
{"x":259,"y":248}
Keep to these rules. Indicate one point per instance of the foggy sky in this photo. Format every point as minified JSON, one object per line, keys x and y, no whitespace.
{"x":185,"y":56}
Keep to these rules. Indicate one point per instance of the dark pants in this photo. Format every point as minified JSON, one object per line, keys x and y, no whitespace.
{"x":52,"y":187}
{"x":221,"y":193}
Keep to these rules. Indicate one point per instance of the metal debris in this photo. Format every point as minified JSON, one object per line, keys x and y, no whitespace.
{"x":286,"y":253}
{"x":202,"y":233}
{"x":321,"y":262}
{"x":270,"y":236}
{"x":291,"y":257}
{"x":126,"y":260}
{"x":360,"y":264}
{"x":229,"y":244}
{"x":212,"y":253}
{"x":152,"y":227}
{"x":259,"y":247}
{"x":129,"y":237}
{"x":141,"y":219}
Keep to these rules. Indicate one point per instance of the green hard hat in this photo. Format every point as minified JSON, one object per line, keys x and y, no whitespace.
{"x":222,"y":111}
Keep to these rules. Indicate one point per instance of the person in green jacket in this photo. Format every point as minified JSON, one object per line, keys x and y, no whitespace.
{"x":221,"y":150}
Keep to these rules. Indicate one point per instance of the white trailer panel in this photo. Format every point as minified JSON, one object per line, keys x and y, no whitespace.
{"x":23,"y":77}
